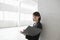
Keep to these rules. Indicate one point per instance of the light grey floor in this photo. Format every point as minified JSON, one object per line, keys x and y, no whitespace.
{"x":11,"y":34}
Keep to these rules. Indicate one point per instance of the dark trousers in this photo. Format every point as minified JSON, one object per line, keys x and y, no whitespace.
{"x":33,"y":37}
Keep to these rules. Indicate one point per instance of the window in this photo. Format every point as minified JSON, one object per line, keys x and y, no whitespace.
{"x":25,"y":19}
{"x":19,"y":11}
{"x":9,"y":12}
{"x":27,"y":9}
{"x":1,"y":15}
{"x":12,"y":16}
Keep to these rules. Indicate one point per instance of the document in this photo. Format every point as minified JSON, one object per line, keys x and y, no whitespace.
{"x":31,"y":31}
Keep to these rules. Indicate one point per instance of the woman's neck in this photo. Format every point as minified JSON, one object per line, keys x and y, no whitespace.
{"x":37,"y":21}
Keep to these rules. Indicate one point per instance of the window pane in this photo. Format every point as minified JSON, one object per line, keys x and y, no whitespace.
{"x":25,"y":19}
{"x":13,"y":16}
{"x":27,"y":9}
{"x":9,"y":13}
{"x":1,"y":15}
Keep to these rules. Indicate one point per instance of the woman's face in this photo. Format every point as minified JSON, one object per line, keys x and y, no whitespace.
{"x":35,"y":18}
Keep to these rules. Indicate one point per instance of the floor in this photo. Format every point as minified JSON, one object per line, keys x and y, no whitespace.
{"x":11,"y":34}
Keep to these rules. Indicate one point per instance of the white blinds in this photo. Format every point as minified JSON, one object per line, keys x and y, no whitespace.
{"x":9,"y":15}
{"x":26,"y":19}
{"x":1,"y":15}
{"x":27,"y":9}
{"x":21,"y":13}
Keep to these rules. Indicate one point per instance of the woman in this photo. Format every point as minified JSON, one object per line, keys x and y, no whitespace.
{"x":36,"y":19}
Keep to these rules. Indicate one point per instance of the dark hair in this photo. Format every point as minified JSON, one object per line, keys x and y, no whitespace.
{"x":37,"y":14}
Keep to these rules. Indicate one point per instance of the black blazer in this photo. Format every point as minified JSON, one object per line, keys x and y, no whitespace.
{"x":38,"y":25}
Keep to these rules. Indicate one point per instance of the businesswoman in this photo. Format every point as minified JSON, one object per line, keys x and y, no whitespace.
{"x":37,"y":24}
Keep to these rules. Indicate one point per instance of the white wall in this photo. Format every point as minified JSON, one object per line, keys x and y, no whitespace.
{"x":50,"y":12}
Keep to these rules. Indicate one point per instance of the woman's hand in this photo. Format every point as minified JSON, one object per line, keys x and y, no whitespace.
{"x":22,"y":31}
